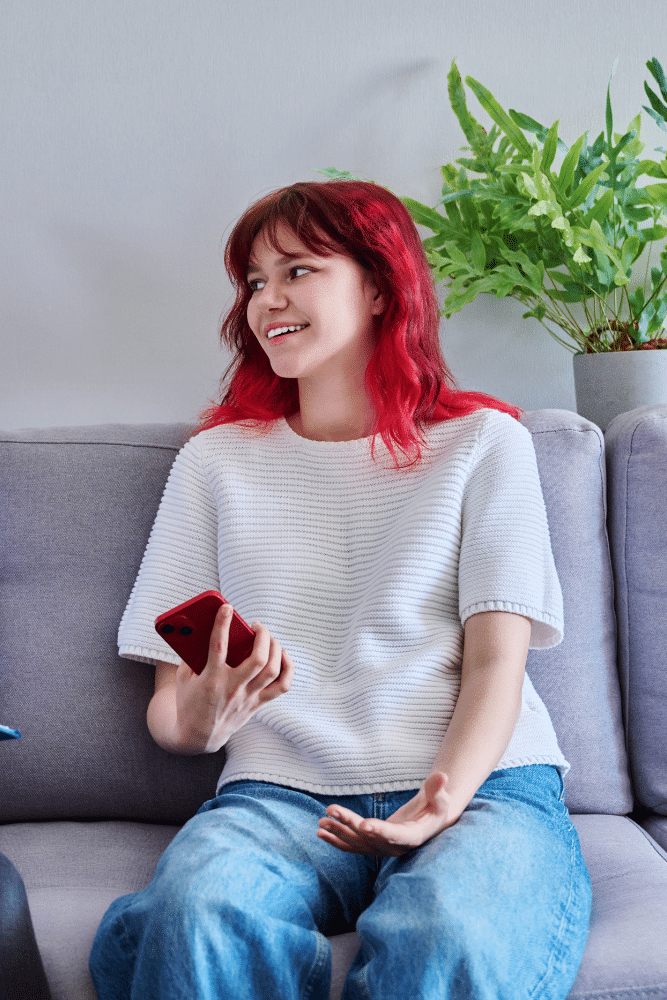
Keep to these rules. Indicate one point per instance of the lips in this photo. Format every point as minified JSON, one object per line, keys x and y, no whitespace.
{"x":280,"y":330}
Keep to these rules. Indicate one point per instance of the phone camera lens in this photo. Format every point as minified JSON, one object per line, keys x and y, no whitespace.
{"x":186,"y":630}
{"x":167,"y":629}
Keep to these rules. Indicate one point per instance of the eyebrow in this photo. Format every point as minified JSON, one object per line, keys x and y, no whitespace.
{"x":285,"y":259}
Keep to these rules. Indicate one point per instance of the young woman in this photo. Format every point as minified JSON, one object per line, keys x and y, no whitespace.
{"x":389,"y":765}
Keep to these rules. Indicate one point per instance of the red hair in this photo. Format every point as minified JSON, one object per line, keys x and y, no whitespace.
{"x":407,"y":380}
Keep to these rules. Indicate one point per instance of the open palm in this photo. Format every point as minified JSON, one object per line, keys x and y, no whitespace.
{"x":421,"y":818}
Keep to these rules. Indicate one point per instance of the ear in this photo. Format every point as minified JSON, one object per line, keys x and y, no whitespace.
{"x":379,"y":299}
{"x":379,"y":304}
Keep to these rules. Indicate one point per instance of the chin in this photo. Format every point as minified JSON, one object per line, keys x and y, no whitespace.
{"x":288,"y":368}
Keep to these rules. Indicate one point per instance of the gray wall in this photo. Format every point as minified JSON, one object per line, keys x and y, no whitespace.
{"x":134,"y":132}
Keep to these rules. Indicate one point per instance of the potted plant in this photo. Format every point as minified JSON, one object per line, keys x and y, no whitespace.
{"x":573,"y":243}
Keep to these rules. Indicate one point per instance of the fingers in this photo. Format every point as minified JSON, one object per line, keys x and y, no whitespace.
{"x":283,"y":681}
{"x":267,"y":672}
{"x":261,"y":651}
{"x":273,"y":670}
{"x":217,"y":647}
{"x":347,"y":831}
{"x":435,"y":784}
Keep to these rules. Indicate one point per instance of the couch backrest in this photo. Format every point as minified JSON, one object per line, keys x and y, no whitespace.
{"x":636,"y":446}
{"x":578,"y":680}
{"x":76,"y":509}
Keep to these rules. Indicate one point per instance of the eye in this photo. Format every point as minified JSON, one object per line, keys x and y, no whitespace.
{"x":294,"y":270}
{"x":256,"y":284}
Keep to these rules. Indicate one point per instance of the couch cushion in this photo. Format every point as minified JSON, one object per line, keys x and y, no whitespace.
{"x":72,"y":873}
{"x":76,"y":509}
{"x":625,"y":952}
{"x":637,"y":474}
{"x":578,"y":680}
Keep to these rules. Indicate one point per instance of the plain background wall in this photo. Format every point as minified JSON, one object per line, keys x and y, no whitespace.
{"x":134,"y":133}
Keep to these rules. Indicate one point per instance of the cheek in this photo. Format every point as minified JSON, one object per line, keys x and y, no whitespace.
{"x":251,"y":315}
{"x":254,"y":322}
{"x":253,"y":318}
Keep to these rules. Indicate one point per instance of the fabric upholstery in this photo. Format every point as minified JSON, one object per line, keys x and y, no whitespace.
{"x":76,"y":509}
{"x":656,"y":826}
{"x":72,"y":872}
{"x":637,"y":474}
{"x":577,"y":680}
{"x":625,"y":952}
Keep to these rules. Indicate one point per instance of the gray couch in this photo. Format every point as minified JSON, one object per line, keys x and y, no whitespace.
{"x":88,"y":801}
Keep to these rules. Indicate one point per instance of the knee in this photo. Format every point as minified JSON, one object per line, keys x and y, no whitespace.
{"x":179,"y":899}
{"x":437,"y":926}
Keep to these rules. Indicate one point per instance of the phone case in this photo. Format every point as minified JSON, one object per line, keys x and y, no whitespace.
{"x":187,"y":629}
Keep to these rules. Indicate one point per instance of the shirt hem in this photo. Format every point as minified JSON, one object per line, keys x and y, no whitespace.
{"x":369,"y":788}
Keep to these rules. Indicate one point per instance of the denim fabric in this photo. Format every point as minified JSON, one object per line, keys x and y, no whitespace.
{"x":21,"y":971}
{"x":243,"y":899}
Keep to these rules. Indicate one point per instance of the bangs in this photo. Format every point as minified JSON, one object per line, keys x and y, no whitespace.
{"x":293,"y":211}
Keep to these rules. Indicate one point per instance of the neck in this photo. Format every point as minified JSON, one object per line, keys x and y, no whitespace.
{"x":335,"y":411}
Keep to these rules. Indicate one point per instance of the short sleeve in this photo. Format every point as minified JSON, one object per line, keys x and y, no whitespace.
{"x":180,"y":560}
{"x":506,"y":562}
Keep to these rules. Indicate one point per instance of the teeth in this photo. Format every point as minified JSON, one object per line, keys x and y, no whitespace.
{"x":284,"y":329}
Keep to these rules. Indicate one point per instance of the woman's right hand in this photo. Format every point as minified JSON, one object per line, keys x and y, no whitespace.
{"x":214,"y":704}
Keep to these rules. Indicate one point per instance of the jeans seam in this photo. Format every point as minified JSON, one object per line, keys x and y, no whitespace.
{"x":541,"y":986}
{"x":321,"y":956}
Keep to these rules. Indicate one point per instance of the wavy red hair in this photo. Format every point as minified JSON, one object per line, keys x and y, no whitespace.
{"x":407,"y":379}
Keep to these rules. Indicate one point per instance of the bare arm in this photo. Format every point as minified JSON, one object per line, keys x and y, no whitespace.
{"x":193,"y":714}
{"x":487,"y":709}
{"x":489,"y":702}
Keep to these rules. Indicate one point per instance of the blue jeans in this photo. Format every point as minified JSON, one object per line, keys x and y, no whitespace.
{"x":21,"y":970}
{"x":242,"y":901}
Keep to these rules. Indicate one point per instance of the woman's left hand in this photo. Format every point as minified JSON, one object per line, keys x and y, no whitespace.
{"x":422,"y":817}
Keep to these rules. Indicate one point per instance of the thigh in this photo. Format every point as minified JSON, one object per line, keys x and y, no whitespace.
{"x":497,"y":906}
{"x":255,"y":847}
{"x":238,"y":906}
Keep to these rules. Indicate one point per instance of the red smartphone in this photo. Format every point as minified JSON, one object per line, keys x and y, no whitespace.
{"x":187,"y":629}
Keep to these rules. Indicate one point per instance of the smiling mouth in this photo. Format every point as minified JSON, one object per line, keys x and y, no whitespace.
{"x":280,"y":331}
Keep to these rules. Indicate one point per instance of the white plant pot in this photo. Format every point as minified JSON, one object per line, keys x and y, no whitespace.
{"x":617,"y":381}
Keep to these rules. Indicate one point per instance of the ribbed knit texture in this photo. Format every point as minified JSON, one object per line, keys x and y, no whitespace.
{"x":366,"y":575}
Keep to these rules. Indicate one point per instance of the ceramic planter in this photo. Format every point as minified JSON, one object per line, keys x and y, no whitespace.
{"x":617,"y":381}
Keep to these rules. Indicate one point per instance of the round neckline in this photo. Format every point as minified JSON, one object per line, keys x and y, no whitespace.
{"x":325,"y":443}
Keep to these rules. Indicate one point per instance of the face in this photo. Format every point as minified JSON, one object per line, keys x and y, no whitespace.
{"x":312,"y":315}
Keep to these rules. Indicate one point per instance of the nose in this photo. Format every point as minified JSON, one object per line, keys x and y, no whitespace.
{"x":271,"y":296}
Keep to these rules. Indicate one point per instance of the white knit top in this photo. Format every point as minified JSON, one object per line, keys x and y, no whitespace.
{"x":366,"y":575}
